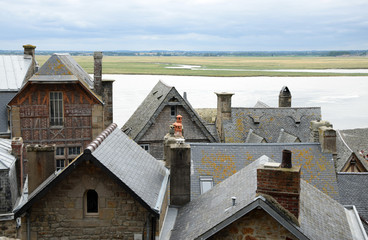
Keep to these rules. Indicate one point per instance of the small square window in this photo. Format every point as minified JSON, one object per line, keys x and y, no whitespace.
{"x":60,"y":151}
{"x":145,"y":147}
{"x":74,"y":151}
{"x":60,"y":164}
{"x":206,"y":183}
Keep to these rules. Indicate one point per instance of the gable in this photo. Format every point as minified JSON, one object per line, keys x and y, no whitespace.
{"x":353,"y":164}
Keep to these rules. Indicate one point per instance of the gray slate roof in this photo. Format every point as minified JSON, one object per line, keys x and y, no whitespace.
{"x":123,"y":159}
{"x":6,"y":158}
{"x":221,"y":160}
{"x":13,"y":70}
{"x":147,"y":112}
{"x":351,"y":141}
{"x":320,"y":217}
{"x":5,"y":98}
{"x":353,"y":191}
{"x":267,"y":123}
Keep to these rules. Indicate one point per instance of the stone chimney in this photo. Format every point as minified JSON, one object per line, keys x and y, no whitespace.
{"x":285,"y":97}
{"x":323,"y":132}
{"x":97,"y":73}
{"x":281,"y":182}
{"x":30,"y":51}
{"x":177,"y":156}
{"x":41,"y":164}
{"x":223,"y":111}
{"x":107,"y":90}
{"x":17,"y":151}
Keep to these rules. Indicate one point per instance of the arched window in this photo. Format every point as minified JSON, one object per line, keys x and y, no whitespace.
{"x":91,"y":202}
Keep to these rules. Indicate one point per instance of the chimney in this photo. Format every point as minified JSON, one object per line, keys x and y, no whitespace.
{"x":314,"y":129}
{"x":285,"y":97}
{"x":29,"y":50}
{"x":41,"y":164}
{"x":97,"y":73}
{"x":17,"y":151}
{"x":178,"y":127}
{"x":327,"y":138}
{"x":178,"y":160}
{"x":281,"y":183}
{"x":168,"y":140}
{"x":223,"y":111}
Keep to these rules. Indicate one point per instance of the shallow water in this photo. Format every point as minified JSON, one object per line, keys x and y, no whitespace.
{"x":343,"y":99}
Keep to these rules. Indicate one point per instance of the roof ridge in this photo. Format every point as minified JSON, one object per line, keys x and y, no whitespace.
{"x":342,"y":139}
{"x":100,"y":138}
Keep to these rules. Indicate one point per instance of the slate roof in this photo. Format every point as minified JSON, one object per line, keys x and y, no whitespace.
{"x":6,"y":158}
{"x":221,"y":160}
{"x":152,"y":105}
{"x":320,"y":216}
{"x":122,"y":159}
{"x":353,"y":191}
{"x":267,"y":123}
{"x":351,"y":141}
{"x":13,"y":70}
{"x":5,"y":98}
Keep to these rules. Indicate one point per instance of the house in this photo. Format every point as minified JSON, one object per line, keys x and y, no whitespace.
{"x":352,"y":189}
{"x":352,"y":150}
{"x":149,"y":123}
{"x":10,"y":183}
{"x":113,"y":189}
{"x":264,"y":201}
{"x":15,"y":71}
{"x":62,"y":105}
{"x":261,"y":124}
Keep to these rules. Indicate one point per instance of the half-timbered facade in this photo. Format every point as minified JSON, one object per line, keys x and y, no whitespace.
{"x":58,"y":105}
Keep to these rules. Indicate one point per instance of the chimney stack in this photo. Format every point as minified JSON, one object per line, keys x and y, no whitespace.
{"x":285,"y":97}
{"x":223,"y":111}
{"x":29,"y":50}
{"x":97,"y":74}
{"x":323,"y":132}
{"x":41,"y":164}
{"x":281,"y":183}
{"x":17,"y":151}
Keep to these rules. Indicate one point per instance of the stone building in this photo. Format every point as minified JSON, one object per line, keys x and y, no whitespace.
{"x":261,"y":123}
{"x":62,"y":105}
{"x":114,"y":190}
{"x":15,"y":70}
{"x":149,"y":123}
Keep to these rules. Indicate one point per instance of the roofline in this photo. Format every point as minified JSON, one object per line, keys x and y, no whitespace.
{"x":358,"y":219}
{"x":86,"y":156}
{"x":281,"y":108}
{"x":258,"y":202}
{"x":161,"y":195}
{"x":255,"y":144}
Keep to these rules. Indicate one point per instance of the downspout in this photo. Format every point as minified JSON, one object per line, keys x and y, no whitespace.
{"x":28,"y":226}
{"x":10,"y":121}
{"x":148,"y":227}
{"x":153,"y":233}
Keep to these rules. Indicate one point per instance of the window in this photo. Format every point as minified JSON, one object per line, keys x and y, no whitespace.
{"x":60,"y":151}
{"x":173,"y":111}
{"x":60,"y":164}
{"x":56,"y":108}
{"x":91,"y":203}
{"x":74,"y":151}
{"x":206,"y":183}
{"x":145,"y":147}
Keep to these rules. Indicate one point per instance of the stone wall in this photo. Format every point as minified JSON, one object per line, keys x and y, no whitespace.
{"x":8,"y":229}
{"x":253,"y":226}
{"x":60,"y":213}
{"x":156,"y":133}
{"x":5,"y":193}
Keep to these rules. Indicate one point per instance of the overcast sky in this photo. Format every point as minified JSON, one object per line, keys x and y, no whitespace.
{"x":226,"y":25}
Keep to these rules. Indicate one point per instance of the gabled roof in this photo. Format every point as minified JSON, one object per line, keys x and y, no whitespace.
{"x":320,"y":216}
{"x":221,"y":160}
{"x":6,"y":158}
{"x":124,"y":161}
{"x":353,"y":191}
{"x":351,"y":142}
{"x":285,"y":137}
{"x":267,"y":123}
{"x":13,"y":71}
{"x":151,"y":107}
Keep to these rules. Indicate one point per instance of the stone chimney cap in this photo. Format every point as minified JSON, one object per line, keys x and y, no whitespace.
{"x":97,"y":54}
{"x":29,"y":46}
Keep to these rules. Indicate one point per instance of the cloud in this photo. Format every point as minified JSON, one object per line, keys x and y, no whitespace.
{"x":186,"y":25}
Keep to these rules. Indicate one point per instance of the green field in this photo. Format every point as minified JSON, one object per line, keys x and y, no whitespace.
{"x":225,"y":66}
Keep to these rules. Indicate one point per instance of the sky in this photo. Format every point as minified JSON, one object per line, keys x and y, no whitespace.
{"x":190,"y":25}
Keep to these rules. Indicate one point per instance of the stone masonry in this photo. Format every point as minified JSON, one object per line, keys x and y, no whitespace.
{"x":60,"y":213}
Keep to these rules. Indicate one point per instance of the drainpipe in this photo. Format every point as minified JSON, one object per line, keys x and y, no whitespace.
{"x":28,"y":226}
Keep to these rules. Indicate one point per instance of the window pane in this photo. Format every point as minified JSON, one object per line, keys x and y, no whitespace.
{"x":56,"y":108}
{"x":92,"y":201}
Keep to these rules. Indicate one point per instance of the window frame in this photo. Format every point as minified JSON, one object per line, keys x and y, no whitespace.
{"x":86,"y":213}
{"x":145,"y":146}
{"x":56,"y":108}
{"x":173,"y":111}
{"x":205,"y":179}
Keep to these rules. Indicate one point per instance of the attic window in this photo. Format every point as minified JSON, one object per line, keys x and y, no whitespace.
{"x":173,"y":99}
{"x":173,"y":111}
{"x":154,"y":92}
{"x":206,"y":183}
{"x":91,"y":202}
{"x":159,"y":97}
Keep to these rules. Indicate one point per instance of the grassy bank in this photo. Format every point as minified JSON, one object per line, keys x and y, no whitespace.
{"x":225,"y":66}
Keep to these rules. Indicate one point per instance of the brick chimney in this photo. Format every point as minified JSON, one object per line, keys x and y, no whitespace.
{"x":223,"y":111}
{"x":41,"y":164}
{"x":17,"y":151}
{"x":97,"y":73}
{"x":285,"y":97}
{"x":281,"y":182}
{"x":178,"y":126}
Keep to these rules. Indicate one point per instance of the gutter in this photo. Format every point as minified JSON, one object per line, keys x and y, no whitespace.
{"x":162,"y":192}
